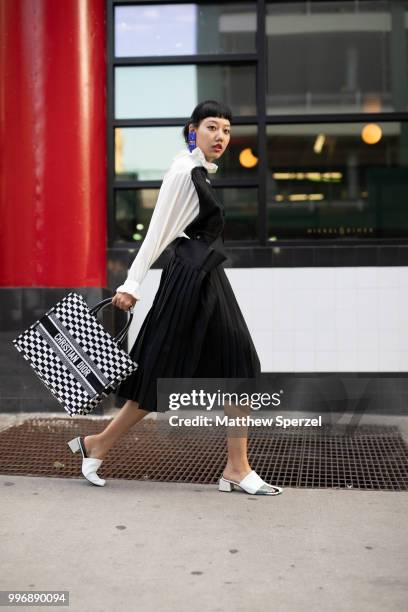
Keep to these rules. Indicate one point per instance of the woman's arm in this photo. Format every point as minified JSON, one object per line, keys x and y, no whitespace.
{"x":176,"y":207}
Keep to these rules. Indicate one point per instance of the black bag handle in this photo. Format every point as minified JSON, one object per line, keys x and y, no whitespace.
{"x":100,"y":305}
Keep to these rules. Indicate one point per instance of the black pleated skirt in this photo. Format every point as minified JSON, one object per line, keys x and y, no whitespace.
{"x":194,"y":329}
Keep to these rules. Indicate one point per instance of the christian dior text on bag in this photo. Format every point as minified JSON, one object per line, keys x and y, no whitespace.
{"x":74,"y":356}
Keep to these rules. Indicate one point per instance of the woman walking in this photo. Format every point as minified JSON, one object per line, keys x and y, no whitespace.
{"x":195,"y":328}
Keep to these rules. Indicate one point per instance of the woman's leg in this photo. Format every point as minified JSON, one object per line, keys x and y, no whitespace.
{"x":98,"y":445}
{"x":237,"y":466}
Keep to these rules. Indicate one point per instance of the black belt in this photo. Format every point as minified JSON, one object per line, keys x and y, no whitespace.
{"x":209,"y":254}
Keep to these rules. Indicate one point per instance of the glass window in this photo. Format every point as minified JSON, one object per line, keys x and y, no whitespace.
{"x":145,"y":153}
{"x":336,"y":57}
{"x":346,"y":180}
{"x":133,"y":211}
{"x":241,"y":212}
{"x":185,"y":29}
{"x":134,"y":208}
{"x":173,"y":91}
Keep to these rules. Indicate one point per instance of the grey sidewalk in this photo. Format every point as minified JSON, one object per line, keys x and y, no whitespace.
{"x":136,"y":545}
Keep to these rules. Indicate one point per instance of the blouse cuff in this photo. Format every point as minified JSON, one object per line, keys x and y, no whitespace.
{"x":132,"y":287}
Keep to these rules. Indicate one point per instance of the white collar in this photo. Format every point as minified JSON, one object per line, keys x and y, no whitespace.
{"x":199,"y":155}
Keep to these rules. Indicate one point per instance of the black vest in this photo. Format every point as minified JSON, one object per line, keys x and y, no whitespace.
{"x":205,"y":246}
{"x":209,"y":224}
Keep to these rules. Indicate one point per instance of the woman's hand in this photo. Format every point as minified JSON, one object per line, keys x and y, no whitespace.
{"x":124,"y":301}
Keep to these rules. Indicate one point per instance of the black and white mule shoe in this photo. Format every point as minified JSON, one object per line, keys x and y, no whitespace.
{"x":252,"y":483}
{"x":89,"y":464}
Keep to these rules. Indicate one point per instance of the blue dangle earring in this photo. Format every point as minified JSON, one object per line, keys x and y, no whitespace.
{"x":192,"y":141}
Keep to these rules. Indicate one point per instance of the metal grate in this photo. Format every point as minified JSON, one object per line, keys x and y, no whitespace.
{"x":369,"y":457}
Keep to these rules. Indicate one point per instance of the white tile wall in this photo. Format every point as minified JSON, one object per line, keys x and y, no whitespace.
{"x":317,"y":319}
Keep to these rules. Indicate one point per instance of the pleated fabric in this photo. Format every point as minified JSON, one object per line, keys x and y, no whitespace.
{"x":228,"y":350}
{"x":194,"y":329}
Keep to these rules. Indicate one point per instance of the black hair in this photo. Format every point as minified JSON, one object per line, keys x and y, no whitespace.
{"x":208,"y":108}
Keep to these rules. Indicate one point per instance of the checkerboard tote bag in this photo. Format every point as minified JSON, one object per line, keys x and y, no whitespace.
{"x":74,"y":356}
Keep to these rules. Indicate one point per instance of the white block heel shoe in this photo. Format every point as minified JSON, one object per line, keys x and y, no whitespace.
{"x":252,"y":484}
{"x":89,"y":464}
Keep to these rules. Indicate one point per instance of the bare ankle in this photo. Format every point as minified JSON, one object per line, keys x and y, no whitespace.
{"x":95,"y":446}
{"x":236,"y":472}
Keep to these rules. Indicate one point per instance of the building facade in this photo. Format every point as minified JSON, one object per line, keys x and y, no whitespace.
{"x":314,"y":182}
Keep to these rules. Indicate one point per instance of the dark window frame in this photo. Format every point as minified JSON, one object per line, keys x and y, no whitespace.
{"x":365,"y":251}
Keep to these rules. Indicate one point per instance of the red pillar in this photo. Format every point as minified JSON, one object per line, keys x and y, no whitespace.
{"x":53,"y":146}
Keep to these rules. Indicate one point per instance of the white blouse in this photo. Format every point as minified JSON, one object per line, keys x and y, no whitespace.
{"x":176,"y":207}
